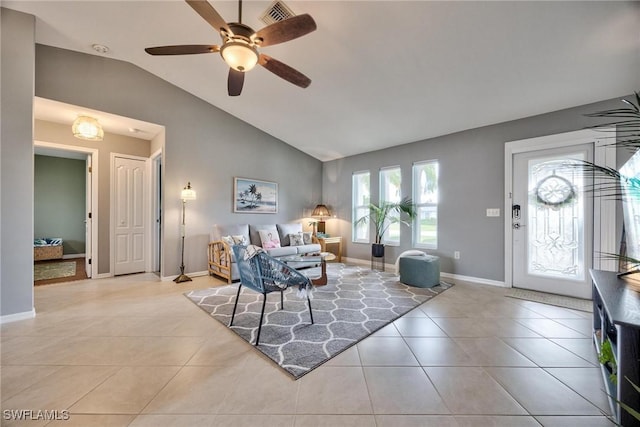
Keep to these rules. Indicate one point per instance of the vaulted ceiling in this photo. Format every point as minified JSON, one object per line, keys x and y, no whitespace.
{"x":383,"y":73}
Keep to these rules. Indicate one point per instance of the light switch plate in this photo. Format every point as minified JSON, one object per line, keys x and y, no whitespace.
{"x":493,"y":212}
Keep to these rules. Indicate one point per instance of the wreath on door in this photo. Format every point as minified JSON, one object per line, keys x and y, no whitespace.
{"x":555,"y":191}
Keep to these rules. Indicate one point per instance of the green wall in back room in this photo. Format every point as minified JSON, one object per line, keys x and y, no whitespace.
{"x":59,"y":201}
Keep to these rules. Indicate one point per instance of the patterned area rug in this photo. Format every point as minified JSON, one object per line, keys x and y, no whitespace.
{"x":355,"y":303}
{"x":552,"y":299}
{"x":54,"y":270}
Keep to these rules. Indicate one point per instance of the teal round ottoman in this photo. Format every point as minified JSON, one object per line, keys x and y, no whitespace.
{"x":422,"y":271}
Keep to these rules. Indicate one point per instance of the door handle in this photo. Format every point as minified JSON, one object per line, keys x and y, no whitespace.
{"x":517,"y":225}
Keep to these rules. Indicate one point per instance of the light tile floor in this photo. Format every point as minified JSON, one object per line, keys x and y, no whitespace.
{"x":133,"y":351}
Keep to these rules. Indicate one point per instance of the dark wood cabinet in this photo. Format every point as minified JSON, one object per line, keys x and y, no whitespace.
{"x":616,"y":318}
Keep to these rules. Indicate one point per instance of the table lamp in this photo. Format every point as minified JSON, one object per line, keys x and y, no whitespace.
{"x":320,"y":211}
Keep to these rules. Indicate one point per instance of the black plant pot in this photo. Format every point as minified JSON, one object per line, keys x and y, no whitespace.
{"x":377,"y":250}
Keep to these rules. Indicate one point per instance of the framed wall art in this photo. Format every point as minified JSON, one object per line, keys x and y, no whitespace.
{"x":254,"y":196}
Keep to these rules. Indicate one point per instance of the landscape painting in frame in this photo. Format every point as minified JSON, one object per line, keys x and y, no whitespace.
{"x":254,"y":196}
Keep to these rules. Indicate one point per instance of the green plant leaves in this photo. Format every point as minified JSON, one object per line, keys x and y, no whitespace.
{"x":380,"y":215}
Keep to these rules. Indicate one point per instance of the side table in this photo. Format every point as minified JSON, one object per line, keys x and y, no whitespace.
{"x":324,"y":241}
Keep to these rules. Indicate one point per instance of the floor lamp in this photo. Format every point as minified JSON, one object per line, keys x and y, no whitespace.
{"x":188,"y":193}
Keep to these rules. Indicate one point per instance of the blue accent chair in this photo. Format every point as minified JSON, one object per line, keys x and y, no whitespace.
{"x":264,"y":274}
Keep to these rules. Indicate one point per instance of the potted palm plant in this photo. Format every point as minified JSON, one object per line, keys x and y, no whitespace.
{"x":381,"y":216}
{"x":626,"y":122}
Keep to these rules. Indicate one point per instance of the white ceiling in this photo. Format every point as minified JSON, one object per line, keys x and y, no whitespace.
{"x":384,"y":72}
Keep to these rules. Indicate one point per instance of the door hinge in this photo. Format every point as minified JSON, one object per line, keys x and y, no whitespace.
{"x":89,"y":215}
{"x":90,"y":169}
{"x":89,"y":260}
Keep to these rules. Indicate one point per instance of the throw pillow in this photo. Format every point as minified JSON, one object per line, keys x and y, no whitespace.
{"x":269,"y":239}
{"x":296,"y":239}
{"x":307,"y":237}
{"x":234,"y":240}
{"x":285,"y":229}
{"x":239,"y":240}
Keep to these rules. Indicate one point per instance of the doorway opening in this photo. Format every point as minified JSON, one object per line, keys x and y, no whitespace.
{"x":82,"y":219}
{"x":126,"y":136}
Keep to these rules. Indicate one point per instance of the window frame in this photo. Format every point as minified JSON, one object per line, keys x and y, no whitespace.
{"x":383,"y":197}
{"x":355,"y":207}
{"x":416,"y":188}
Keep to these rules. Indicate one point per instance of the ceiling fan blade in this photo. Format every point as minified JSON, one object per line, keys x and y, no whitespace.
{"x":284,"y":71}
{"x":185,"y":49}
{"x":235,"y":82}
{"x":289,"y":29}
{"x":204,"y":9}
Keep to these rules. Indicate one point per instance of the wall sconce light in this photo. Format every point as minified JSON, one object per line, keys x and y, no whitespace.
{"x":85,"y":127}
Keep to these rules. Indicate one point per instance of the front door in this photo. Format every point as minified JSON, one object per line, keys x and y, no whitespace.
{"x":552,"y":220}
{"x":130,"y":230}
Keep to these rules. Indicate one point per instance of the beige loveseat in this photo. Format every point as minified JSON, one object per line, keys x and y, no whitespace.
{"x":277,"y":240}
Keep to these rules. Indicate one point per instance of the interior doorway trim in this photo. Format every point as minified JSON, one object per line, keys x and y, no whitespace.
{"x":93,"y":152}
{"x":156,"y":212}
{"x":604,"y":224}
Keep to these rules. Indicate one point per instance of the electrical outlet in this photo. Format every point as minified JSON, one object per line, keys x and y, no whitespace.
{"x":456,"y":255}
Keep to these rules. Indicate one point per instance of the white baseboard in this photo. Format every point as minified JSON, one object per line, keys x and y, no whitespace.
{"x":392,"y":268}
{"x":71,"y":256}
{"x":476,"y":280}
{"x":194,"y":274}
{"x":18,"y":316}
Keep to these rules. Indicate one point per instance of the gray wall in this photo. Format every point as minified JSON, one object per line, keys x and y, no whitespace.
{"x":60,"y":201}
{"x":203,"y":145}
{"x":208,"y":147}
{"x":112,"y":143}
{"x":17,"y":32}
{"x":471,"y":180}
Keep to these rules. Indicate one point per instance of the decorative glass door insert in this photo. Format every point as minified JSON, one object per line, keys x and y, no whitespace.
{"x":555,"y":219}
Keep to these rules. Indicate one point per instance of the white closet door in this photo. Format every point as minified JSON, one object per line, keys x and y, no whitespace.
{"x":130,"y":228}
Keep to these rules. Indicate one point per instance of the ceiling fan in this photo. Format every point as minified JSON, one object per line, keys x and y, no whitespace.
{"x":240,"y":45}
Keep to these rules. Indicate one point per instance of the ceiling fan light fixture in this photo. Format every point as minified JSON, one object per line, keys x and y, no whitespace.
{"x":239,"y":55}
{"x":85,"y":127}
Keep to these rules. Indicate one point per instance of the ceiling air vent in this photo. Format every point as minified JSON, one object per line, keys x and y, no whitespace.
{"x":278,"y":11}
